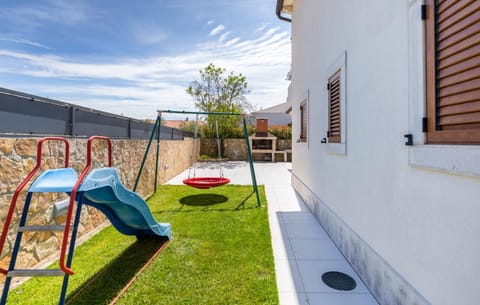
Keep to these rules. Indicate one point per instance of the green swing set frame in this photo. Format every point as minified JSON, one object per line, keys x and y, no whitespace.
{"x":156,"y":133}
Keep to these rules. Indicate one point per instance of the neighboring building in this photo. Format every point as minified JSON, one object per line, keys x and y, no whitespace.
{"x":385,"y":102}
{"x":277,"y":115}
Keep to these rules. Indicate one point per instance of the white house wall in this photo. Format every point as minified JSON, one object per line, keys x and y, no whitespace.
{"x":412,"y":231}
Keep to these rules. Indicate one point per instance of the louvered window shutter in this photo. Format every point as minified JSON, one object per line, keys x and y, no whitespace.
{"x":334,"y":109}
{"x":453,"y":71}
{"x":303,"y":121}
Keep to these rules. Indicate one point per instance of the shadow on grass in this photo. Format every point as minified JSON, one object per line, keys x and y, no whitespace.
{"x":203,"y":199}
{"x":207,"y":200}
{"x":108,"y":282}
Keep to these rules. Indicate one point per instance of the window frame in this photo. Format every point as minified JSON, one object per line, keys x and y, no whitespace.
{"x":338,"y":65}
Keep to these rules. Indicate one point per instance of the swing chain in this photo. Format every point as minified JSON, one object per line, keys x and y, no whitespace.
{"x":219,"y":148}
{"x":193,"y":149}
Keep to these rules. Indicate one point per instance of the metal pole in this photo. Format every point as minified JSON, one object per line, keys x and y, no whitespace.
{"x":76,"y":222}
{"x":250,"y":160}
{"x":157,"y":125}
{"x":158,"y":151}
{"x":218,"y":141}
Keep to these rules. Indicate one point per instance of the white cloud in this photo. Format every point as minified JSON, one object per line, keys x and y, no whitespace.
{"x":209,"y":22}
{"x":223,"y":36}
{"x":217,"y":30}
{"x":139,"y":86}
{"x":27,"y":42}
{"x":232,"y":41}
{"x":261,"y":28}
{"x":66,"y":13}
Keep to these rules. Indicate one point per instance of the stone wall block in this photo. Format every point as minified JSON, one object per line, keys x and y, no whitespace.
{"x":283,"y":144}
{"x":6,"y":146}
{"x":11,"y":172}
{"x":26,"y":259}
{"x":60,"y":219}
{"x":48,"y":214}
{"x":43,"y":248}
{"x":4,"y":203}
{"x":26,"y":147}
{"x":28,"y":165}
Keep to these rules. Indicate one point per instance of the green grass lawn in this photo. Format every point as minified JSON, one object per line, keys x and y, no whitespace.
{"x":220,"y":254}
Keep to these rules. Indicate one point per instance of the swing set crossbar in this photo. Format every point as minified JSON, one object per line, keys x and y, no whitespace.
{"x":199,"y":112}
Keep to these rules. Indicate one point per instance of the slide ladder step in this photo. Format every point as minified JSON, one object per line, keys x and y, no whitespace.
{"x":35,"y":272}
{"x":41,"y":228}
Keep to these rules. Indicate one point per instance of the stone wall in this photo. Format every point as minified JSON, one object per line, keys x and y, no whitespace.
{"x":18,"y":158}
{"x":236,"y":149}
{"x":209,"y":147}
{"x":284,"y":144}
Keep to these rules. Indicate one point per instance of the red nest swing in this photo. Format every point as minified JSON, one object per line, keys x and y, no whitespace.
{"x":206,"y":182}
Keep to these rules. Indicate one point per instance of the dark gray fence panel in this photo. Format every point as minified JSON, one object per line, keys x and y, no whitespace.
{"x":22,"y":113}
{"x":18,"y":115}
{"x":140,"y":129}
{"x":89,"y":123}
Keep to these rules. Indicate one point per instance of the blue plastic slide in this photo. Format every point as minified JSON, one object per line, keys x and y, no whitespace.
{"x":126,"y":210}
{"x":102,"y":189}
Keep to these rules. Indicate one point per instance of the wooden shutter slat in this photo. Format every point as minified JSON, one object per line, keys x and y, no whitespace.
{"x":459,"y":78}
{"x":467,"y":25}
{"x":459,"y":67}
{"x":457,"y":17}
{"x":336,"y":101}
{"x":448,"y":8}
{"x":460,"y":108}
{"x":462,"y":127}
{"x":460,"y":98}
{"x":461,"y":41}
{"x":335,"y":92}
{"x":467,"y":118}
{"x":460,"y":88}
{"x":458,"y":57}
{"x":335,"y":112}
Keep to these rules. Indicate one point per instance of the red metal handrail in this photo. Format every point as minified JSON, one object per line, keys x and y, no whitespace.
{"x":85,"y":171}
{"x":13,"y":203}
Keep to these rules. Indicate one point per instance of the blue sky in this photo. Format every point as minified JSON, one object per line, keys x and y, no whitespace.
{"x":135,"y":57}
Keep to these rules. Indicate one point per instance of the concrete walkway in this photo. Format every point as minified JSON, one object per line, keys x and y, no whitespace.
{"x":302,"y":249}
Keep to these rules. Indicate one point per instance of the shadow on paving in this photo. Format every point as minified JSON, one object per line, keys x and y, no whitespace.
{"x":108,"y":282}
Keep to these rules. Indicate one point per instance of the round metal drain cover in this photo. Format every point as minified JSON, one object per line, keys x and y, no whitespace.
{"x":339,"y":281}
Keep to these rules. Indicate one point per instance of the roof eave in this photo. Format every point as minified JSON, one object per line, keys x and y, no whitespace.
{"x":283,"y":7}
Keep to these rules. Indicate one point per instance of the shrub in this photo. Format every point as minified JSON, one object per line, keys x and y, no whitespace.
{"x":282,"y":132}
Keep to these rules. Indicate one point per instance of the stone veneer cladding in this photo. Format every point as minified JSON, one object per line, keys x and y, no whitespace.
{"x":18,"y":157}
{"x":388,"y":287}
